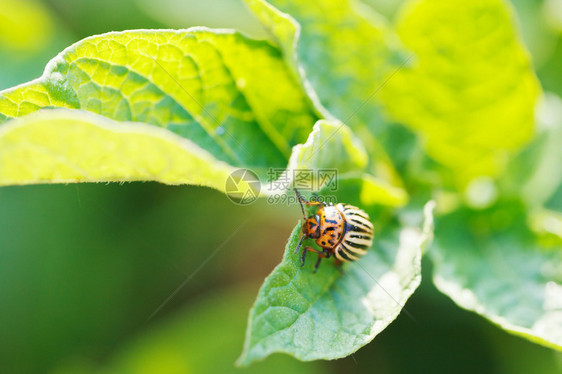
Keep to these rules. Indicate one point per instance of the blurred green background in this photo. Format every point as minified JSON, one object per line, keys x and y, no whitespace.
{"x":83,"y":267}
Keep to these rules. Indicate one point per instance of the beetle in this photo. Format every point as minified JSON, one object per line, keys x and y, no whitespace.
{"x":341,"y":230}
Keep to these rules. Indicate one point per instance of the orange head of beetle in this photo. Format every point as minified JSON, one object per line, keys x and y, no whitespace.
{"x":311,"y":227}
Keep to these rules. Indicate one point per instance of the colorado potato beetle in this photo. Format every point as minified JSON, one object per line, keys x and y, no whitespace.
{"x":342,"y":230}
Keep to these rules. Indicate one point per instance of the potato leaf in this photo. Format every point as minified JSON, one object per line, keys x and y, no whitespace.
{"x":230,"y":95}
{"x":491,"y":263}
{"x":471,"y":91}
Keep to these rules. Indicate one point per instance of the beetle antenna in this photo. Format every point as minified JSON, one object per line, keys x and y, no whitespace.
{"x":299,"y":245}
{"x":300,"y":198}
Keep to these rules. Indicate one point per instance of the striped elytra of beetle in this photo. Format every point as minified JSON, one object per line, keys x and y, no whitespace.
{"x":342,"y":230}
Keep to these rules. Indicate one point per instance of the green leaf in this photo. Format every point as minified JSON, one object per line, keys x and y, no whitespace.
{"x":471,"y":90}
{"x":230,"y":95}
{"x":343,"y":53}
{"x":62,"y":146}
{"x":332,"y":313}
{"x":343,"y":49}
{"x":490,"y":262}
{"x":214,"y":88}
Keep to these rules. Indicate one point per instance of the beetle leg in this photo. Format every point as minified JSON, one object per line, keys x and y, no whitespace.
{"x":308,"y":249}
{"x":326,"y":253}
{"x":317,"y":263}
